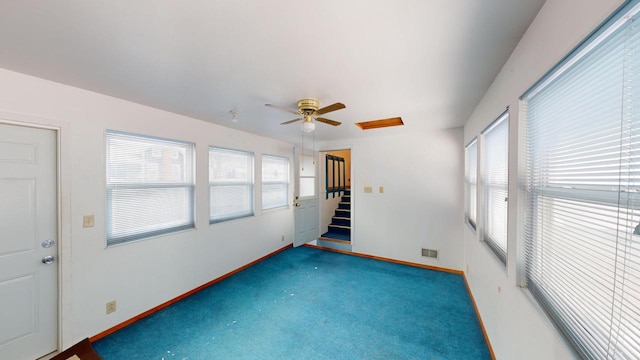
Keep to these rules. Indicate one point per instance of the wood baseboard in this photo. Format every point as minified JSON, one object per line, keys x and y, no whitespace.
{"x":178,"y":298}
{"x":402,"y":262}
{"x":475,"y":307}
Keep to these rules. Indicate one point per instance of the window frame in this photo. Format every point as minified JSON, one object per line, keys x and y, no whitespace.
{"x":112,"y":186}
{"x":286,"y":183}
{"x":471,"y":184}
{"x":250,"y":184}
{"x":488,"y":188}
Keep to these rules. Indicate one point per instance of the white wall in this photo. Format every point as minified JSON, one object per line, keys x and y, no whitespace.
{"x":516,"y":327}
{"x":146,"y":273}
{"x":421,"y":205}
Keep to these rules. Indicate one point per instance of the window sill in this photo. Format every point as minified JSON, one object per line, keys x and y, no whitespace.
{"x":276,"y":209}
{"x":220,"y":221}
{"x":173,"y":233}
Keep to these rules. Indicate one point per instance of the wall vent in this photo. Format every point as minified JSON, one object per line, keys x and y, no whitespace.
{"x":430,"y":253}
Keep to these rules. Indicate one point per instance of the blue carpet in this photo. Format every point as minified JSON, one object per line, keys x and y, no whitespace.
{"x":305,"y":303}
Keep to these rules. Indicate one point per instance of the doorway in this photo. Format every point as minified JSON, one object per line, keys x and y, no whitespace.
{"x":336,"y":201}
{"x":29,"y":246}
{"x":306,"y":197}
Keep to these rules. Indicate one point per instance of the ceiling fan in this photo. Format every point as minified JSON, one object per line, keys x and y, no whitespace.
{"x":308,"y":110}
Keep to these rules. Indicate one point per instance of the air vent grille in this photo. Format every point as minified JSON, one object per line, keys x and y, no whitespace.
{"x":430,"y":253}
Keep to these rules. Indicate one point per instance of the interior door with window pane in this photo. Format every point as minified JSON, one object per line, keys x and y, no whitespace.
{"x":307,"y":217}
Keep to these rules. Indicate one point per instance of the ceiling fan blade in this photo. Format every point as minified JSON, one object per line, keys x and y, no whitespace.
{"x":290,"y":121}
{"x":329,"y":121}
{"x":283,"y":108}
{"x":330,"y":108}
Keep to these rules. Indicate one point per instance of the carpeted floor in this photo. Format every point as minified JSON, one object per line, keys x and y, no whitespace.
{"x":305,"y":303}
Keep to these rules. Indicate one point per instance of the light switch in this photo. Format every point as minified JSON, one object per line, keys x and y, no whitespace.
{"x":368,"y":189}
{"x":88,"y":221}
{"x":381,"y":189}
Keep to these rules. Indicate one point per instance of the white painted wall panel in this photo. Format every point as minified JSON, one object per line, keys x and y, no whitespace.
{"x":146,"y":273}
{"x":422,"y":204}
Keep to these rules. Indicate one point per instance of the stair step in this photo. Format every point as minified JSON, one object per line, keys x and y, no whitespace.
{"x":344,"y":221}
{"x":336,"y":235}
{"x":344,"y":205}
{"x":340,"y":227}
{"x":337,"y":245}
{"x":343,"y":213}
{"x":346,"y":242}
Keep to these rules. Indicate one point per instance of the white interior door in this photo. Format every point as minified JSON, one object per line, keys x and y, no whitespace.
{"x":307,"y":216}
{"x":28,"y":239}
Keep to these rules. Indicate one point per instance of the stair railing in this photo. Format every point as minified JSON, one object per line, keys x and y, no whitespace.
{"x":335,"y":175}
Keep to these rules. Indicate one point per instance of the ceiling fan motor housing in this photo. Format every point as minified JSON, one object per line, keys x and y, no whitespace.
{"x":308,"y":106}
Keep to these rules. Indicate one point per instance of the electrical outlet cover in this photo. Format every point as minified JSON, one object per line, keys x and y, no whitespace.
{"x":111,"y":307}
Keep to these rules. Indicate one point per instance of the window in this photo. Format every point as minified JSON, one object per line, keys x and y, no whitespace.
{"x":581,"y":191}
{"x":275,"y":181}
{"x":307,"y":176}
{"x":230,"y":184}
{"x":495,"y":160}
{"x":150,"y":186}
{"x":471,"y":182}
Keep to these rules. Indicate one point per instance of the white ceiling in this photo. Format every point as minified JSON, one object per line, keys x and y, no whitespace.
{"x":428,"y":61}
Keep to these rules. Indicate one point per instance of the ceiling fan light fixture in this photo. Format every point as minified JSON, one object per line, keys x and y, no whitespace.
{"x":308,"y":109}
{"x":308,"y":126}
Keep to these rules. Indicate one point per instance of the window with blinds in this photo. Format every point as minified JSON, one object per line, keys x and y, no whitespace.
{"x":494,"y":175}
{"x":471,"y":182}
{"x":150,"y":186}
{"x":230,"y":184}
{"x":581,"y":190}
{"x":275,"y":182}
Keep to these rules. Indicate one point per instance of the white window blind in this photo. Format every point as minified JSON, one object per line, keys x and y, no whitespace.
{"x":230,"y":184}
{"x":495,"y":169}
{"x":150,"y":186}
{"x":471,"y":182}
{"x":275,"y":181}
{"x":582,"y":192}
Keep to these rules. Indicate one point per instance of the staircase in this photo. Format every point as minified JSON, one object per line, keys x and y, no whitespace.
{"x":339,"y":234}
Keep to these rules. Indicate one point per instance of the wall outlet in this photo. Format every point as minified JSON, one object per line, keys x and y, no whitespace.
{"x":111,"y":307}
{"x":282,"y":237}
{"x":88,"y":221}
{"x":368,"y":189}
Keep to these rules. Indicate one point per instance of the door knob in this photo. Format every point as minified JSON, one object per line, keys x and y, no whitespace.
{"x":48,"y":259}
{"x":48,"y":243}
